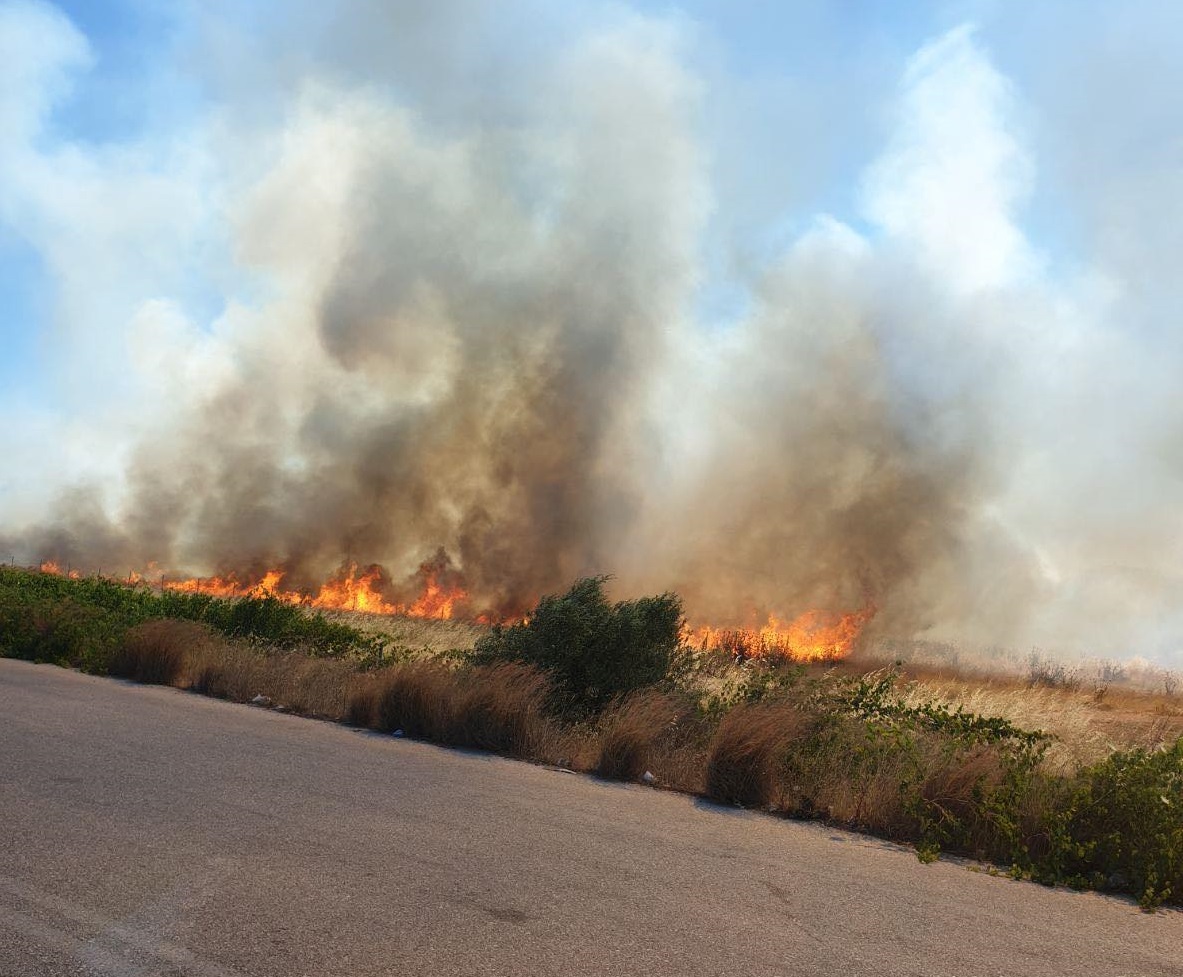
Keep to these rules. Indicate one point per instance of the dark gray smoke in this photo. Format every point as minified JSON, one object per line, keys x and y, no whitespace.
{"x":467,"y":366}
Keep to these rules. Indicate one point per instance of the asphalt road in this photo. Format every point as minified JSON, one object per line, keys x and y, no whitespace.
{"x":146,"y":831}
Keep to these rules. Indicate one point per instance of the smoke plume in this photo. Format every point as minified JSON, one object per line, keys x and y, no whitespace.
{"x":405,"y":283}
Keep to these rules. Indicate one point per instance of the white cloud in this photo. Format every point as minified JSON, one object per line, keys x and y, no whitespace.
{"x":953,"y":175}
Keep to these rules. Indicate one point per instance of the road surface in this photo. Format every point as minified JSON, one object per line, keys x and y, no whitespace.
{"x":146,"y":831}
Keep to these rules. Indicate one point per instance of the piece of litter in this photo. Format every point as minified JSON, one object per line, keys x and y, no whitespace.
{"x":260,"y":700}
{"x":647,"y":777}
{"x":399,"y":733}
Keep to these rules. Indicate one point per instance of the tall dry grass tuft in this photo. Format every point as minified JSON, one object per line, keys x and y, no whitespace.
{"x":632,"y":732}
{"x":745,"y":754}
{"x":495,"y":707}
{"x":155,"y":652}
{"x":225,"y":671}
{"x":416,"y":698}
{"x":219,"y":667}
{"x":309,"y":686}
{"x":361,"y":700}
{"x":500,"y":708}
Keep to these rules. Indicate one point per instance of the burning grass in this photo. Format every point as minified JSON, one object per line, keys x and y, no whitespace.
{"x":435,"y":592}
{"x":814,"y":636}
{"x":1065,"y":781}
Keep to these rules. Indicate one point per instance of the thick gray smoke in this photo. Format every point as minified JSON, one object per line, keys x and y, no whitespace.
{"x":459,"y":304}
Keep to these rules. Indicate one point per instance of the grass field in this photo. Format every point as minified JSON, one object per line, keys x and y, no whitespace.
{"x":1070,"y":774}
{"x":1091,"y":708}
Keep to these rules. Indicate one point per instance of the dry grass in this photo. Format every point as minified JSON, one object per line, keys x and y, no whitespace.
{"x":952,"y":788}
{"x":154,"y":652}
{"x":500,"y":708}
{"x":300,"y":684}
{"x":413,"y":637}
{"x":415,"y":699}
{"x":1087,"y":726}
{"x":497,"y":708}
{"x":635,"y":732}
{"x":1091,"y":707}
{"x":1088,"y":718}
{"x":743,"y":762}
{"x":840,"y":772}
{"x":939,"y":752}
{"x":781,"y":754}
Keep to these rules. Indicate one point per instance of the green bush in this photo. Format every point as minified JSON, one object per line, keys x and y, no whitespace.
{"x":81,"y":622}
{"x":64,"y":632}
{"x":1121,"y":827}
{"x":594,"y":651}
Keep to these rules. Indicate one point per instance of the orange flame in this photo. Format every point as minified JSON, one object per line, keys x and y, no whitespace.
{"x":49,"y":566}
{"x":812,"y":636}
{"x":436,"y":601}
{"x":228,"y":586}
{"x":350,"y":589}
{"x":436,"y":591}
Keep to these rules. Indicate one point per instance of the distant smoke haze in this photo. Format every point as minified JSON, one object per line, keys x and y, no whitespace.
{"x":407,"y":282}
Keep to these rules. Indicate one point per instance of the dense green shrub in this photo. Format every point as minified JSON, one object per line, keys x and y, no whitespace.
{"x":1121,"y":826}
{"x":267,"y":619}
{"x":595,"y":651}
{"x":64,"y":632}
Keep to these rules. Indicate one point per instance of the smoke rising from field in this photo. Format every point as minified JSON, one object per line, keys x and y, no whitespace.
{"x":457,"y":302}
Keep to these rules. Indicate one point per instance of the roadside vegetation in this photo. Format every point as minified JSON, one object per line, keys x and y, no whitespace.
{"x":608,"y":688}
